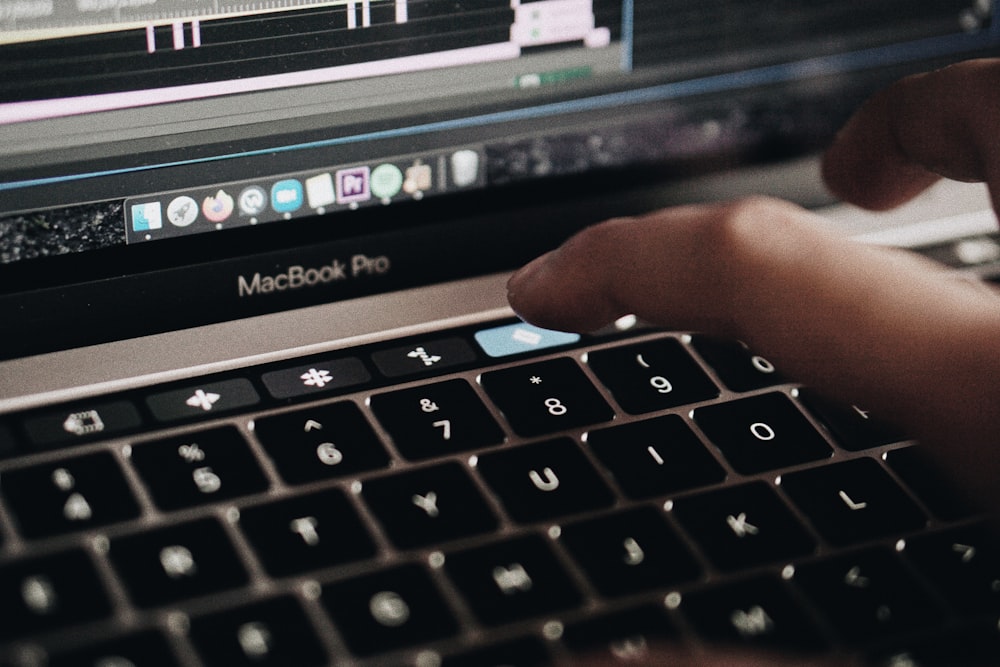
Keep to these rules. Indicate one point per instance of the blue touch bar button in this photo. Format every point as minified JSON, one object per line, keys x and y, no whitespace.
{"x":517,"y":338}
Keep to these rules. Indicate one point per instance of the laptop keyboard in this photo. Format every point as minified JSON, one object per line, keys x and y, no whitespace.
{"x":477,"y":497}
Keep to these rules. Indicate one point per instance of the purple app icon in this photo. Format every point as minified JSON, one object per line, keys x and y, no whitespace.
{"x":354,"y":185}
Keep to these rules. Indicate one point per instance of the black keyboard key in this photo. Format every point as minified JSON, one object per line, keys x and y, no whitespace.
{"x":544,"y":481}
{"x":274,"y":632}
{"x":511,"y":581}
{"x":525,"y":652}
{"x":428,"y":506}
{"x":868,"y":595}
{"x":621,"y":637}
{"x":198,"y":468}
{"x":388,"y":610}
{"x":142,"y":649}
{"x":853,"y":428}
{"x":929,"y":483}
{"x":321,"y":442}
{"x":758,"y":612}
{"x":82,"y":421}
{"x":761,"y":433}
{"x":203,"y":400}
{"x":546,"y":397}
{"x":630,"y":552}
{"x":655,"y":457}
{"x":49,"y":593}
{"x":654,"y":375}
{"x":436,"y":419}
{"x":852,"y":502}
{"x":177,"y":562}
{"x":737,"y":367}
{"x":743,"y":526}
{"x":75,"y":494}
{"x":306,"y":533}
{"x":963,"y":564}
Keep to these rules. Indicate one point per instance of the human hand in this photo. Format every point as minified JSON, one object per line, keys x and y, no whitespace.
{"x":872,"y":326}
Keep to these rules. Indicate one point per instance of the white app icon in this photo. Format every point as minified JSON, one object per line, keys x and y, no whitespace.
{"x":182,"y":211}
{"x":464,"y":168}
{"x":319,"y":191}
{"x":253,"y":200}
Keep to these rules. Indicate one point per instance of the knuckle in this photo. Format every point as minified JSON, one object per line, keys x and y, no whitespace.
{"x":746,"y":226}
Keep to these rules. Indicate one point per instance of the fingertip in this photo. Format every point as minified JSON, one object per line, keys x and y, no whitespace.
{"x":916,"y":131}
{"x":523,"y":291}
{"x":554,"y":291}
{"x":874,"y":183}
{"x":863,"y":165}
{"x":522,"y":280}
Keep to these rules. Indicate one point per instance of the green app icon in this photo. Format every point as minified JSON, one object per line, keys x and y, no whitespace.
{"x":387,"y":181}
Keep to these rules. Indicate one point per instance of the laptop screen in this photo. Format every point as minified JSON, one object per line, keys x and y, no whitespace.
{"x":167,"y":163}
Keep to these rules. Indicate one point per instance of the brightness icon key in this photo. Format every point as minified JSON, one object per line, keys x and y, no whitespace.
{"x":316,"y":378}
{"x":202,"y":400}
{"x":320,"y":376}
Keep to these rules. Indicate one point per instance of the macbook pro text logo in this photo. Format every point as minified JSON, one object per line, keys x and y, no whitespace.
{"x":298,"y":277}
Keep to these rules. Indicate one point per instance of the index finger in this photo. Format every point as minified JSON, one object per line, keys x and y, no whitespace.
{"x":943,"y":123}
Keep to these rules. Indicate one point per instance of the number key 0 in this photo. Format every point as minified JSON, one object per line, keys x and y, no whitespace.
{"x":761,"y":433}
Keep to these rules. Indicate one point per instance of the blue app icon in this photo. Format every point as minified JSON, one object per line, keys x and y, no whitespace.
{"x":147,"y":216}
{"x":286,"y":196}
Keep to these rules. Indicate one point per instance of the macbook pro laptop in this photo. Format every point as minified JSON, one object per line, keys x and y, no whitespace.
{"x":262,"y":401}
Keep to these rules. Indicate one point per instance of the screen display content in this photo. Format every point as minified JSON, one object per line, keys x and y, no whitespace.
{"x":146,"y":135}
